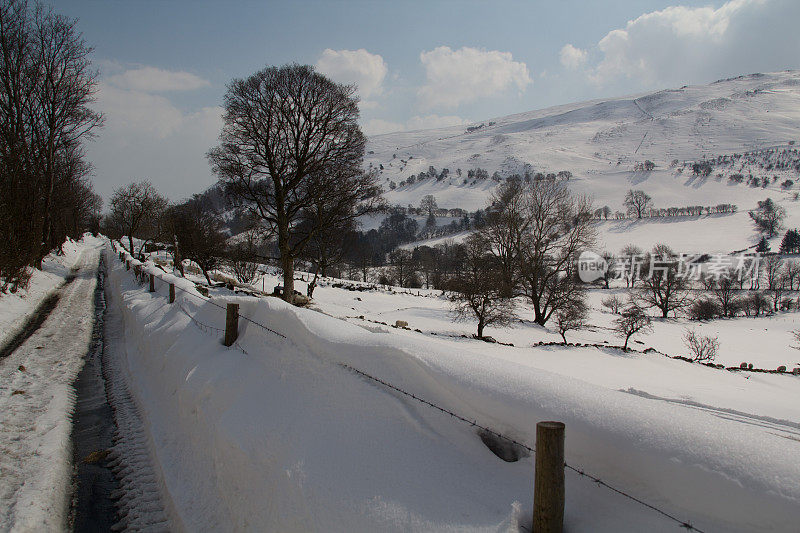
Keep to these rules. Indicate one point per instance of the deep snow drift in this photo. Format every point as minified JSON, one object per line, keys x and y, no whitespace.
{"x":273,"y":434}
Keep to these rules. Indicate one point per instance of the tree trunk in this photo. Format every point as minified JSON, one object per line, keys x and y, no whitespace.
{"x":130,"y":244}
{"x":480,"y":329}
{"x":287,"y":264}
{"x":625,"y":348}
{"x":312,"y":285}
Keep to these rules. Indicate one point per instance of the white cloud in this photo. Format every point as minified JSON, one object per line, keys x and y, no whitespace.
{"x":460,"y":76}
{"x":379,"y":126}
{"x":368,"y":104}
{"x":355,"y":66}
{"x":147,"y":136}
{"x":138,"y":111}
{"x":682,"y":43}
{"x":572,"y":57}
{"x":152,"y":79}
{"x":434,"y":121}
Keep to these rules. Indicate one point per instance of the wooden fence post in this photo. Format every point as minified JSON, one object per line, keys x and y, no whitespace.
{"x":548,"y":491}
{"x":231,"y":324}
{"x":171,"y":292}
{"x":152,"y":283}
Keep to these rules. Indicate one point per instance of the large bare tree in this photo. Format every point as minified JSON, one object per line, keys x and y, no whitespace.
{"x":558,"y":228}
{"x":291,"y":144}
{"x":507,"y":222}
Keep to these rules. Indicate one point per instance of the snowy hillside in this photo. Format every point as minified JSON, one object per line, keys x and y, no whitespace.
{"x":600,"y":142}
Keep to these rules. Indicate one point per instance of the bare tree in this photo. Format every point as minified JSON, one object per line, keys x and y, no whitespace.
{"x":291,"y":143}
{"x":46,"y":86}
{"x":64,"y":90}
{"x":662,"y":286}
{"x":775,"y":276}
{"x":637,"y":202}
{"x":476,"y":290}
{"x":631,"y":321}
{"x":611,"y":268}
{"x":428,"y":204}
{"x":571,"y":317}
{"x":507,"y":222}
{"x":558,"y":227}
{"x":135,"y":212}
{"x":768,"y":217}
{"x":404,"y":268}
{"x":631,"y":255}
{"x":198,"y":230}
{"x":702,"y":348}
{"x":723,"y":287}
{"x":242,"y":256}
{"x":755,"y":303}
{"x":792,"y":270}
{"x":325,"y":249}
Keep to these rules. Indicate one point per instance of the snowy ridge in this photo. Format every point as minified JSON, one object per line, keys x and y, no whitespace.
{"x":279,"y":437}
{"x":601,"y":142}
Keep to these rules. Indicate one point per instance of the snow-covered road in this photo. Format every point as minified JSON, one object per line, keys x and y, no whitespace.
{"x":36,"y":402}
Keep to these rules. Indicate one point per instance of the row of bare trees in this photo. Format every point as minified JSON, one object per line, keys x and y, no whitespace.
{"x":192,"y":230}
{"x":47,"y":86}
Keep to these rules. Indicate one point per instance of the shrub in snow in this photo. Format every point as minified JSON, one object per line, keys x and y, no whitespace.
{"x":701,"y":348}
{"x":781,"y":368}
{"x":613,"y":304}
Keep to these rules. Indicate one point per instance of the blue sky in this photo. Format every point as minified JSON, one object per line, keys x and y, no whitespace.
{"x":165,"y":65}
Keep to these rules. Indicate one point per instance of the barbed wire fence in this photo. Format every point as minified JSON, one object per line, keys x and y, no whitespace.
{"x":685,"y":524}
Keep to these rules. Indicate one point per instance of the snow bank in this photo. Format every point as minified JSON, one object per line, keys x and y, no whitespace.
{"x":273,"y":434}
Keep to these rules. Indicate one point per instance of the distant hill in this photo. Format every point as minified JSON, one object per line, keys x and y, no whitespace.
{"x":602,"y":143}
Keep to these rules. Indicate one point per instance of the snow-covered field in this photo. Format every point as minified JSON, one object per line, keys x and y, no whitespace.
{"x":36,"y":394}
{"x":274,"y":434}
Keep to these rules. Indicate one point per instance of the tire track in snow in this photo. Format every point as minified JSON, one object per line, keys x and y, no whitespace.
{"x":140,"y":498}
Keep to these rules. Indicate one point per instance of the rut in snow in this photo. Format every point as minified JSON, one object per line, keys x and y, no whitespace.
{"x":93,"y":428}
{"x":38,"y":317}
